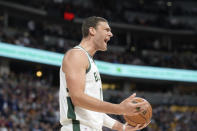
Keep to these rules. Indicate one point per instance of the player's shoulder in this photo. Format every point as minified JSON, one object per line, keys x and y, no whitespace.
{"x":75,"y":53}
{"x":75,"y":56}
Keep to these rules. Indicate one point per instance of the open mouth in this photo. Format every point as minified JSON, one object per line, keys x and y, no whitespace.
{"x":106,"y":40}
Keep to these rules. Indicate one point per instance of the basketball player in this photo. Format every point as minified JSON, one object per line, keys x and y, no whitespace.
{"x":81,"y":99}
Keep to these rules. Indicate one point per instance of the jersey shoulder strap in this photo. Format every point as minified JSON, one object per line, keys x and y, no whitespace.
{"x":89,"y":57}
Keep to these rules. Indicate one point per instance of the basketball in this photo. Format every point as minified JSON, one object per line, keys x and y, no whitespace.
{"x":141,"y":118}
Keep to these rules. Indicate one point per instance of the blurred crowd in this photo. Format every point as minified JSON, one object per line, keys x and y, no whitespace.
{"x":135,"y":49}
{"x":157,"y":12}
{"x":60,"y":38}
{"x":29,"y":103}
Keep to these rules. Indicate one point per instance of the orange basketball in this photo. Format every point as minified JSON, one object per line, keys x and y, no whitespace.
{"x":141,"y":118}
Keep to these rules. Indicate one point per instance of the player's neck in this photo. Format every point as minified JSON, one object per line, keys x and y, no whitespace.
{"x":88,"y":46}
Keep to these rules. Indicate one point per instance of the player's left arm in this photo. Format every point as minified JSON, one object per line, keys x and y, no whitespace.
{"x":112,"y":123}
{"x":116,"y":125}
{"x":108,"y":121}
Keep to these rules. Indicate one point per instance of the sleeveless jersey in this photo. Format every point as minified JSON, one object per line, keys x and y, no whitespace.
{"x":77,"y":115}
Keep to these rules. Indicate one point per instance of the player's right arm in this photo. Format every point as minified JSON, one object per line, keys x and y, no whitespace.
{"x":75,"y":64}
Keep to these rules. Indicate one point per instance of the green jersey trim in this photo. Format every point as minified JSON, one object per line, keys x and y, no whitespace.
{"x":89,"y":56}
{"x":71,"y":112}
{"x":71,"y":115}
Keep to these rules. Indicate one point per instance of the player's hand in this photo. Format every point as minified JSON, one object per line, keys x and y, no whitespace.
{"x":138,"y":127}
{"x":131,"y":109}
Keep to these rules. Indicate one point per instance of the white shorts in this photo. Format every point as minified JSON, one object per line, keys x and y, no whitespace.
{"x":79,"y":127}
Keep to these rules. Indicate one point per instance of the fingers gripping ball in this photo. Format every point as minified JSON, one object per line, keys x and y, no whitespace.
{"x":143,"y":117}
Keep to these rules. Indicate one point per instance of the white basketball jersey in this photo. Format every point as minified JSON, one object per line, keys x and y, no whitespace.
{"x":93,"y":88}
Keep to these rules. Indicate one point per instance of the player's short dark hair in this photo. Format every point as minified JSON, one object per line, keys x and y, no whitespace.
{"x":91,"y":22}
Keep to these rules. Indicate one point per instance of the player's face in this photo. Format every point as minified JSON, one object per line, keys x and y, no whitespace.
{"x":102,"y":36}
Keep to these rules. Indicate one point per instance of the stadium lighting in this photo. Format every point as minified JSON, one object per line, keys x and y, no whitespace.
{"x":39,"y":73}
{"x":169,"y":3}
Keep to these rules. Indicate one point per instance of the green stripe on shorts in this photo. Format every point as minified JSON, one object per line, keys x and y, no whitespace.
{"x":76,"y":125}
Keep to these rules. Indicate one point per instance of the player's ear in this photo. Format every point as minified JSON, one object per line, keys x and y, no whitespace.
{"x":92,"y":31}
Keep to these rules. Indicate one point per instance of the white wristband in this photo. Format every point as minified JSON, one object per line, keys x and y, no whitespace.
{"x":108,"y":121}
{"x":124,"y":127}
